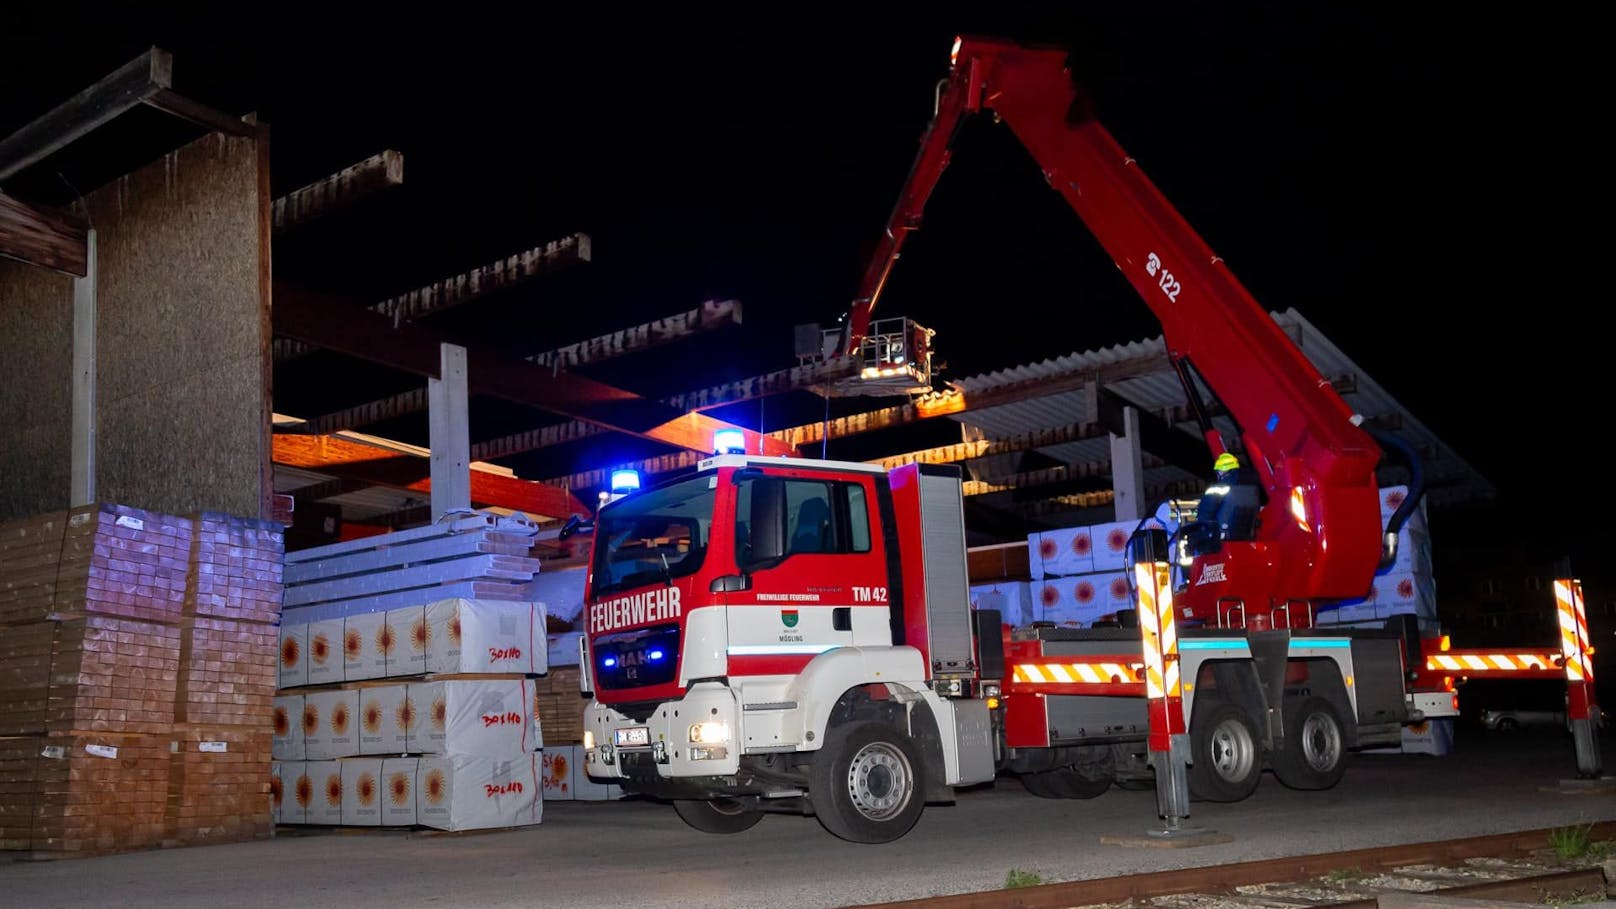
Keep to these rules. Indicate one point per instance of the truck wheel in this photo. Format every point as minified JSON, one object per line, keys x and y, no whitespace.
{"x":867,"y":784}
{"x":1315,"y":752}
{"x":717,"y":815}
{"x":1082,"y":782}
{"x":1225,"y":761}
{"x":1042,"y":784}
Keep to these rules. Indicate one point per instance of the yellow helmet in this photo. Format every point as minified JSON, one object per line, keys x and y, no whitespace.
{"x":1226,"y":462}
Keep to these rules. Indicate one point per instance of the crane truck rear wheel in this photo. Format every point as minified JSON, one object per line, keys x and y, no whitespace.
{"x":1315,"y":752}
{"x":717,"y":815}
{"x":1226,"y":760}
{"x":1085,"y":781}
{"x":867,"y":783}
{"x":1042,"y":784}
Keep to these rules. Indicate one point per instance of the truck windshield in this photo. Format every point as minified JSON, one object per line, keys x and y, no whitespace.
{"x":654,"y":536}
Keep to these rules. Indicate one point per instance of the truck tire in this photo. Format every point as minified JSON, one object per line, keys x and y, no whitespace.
{"x":1315,"y":751}
{"x":1042,"y":784}
{"x":1225,"y":757}
{"x":717,"y":815}
{"x":1086,"y":781}
{"x":867,"y":784}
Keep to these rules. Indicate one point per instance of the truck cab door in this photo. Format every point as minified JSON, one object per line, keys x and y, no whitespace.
{"x":816,"y":566}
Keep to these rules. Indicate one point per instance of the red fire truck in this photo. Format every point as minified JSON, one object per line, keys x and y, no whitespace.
{"x":783,"y":634}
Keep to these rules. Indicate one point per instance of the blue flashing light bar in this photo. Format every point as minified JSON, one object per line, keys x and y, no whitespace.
{"x":625,"y":480}
{"x":729,"y":441}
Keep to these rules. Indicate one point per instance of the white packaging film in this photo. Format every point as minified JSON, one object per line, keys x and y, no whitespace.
{"x":399,"y":791}
{"x":486,"y":636}
{"x":487,"y":717}
{"x":466,"y":792}
{"x":325,"y":797}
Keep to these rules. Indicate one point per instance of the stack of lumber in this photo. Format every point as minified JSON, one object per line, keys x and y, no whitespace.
{"x":431,"y":642}
{"x":137,"y":674}
{"x":467,"y":555}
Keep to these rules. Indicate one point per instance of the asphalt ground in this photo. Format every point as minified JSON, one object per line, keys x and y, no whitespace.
{"x":634,"y":853}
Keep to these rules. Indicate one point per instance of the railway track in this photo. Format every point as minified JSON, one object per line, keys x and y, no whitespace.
{"x":1514,"y":867}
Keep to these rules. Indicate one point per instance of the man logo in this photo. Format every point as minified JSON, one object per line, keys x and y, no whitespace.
{"x":788,"y":618}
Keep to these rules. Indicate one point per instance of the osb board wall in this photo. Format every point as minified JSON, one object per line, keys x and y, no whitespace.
{"x":36,"y":387}
{"x":181,"y":341}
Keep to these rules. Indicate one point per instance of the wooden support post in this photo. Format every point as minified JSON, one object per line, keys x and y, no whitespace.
{"x":81,"y":486}
{"x":447,"y":416}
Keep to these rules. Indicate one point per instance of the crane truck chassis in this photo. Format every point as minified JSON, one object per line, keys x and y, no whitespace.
{"x":795,"y":635}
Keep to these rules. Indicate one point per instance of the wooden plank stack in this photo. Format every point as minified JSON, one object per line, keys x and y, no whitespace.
{"x":561,"y":705}
{"x":466,"y":580}
{"x":137,"y":673}
{"x":470,"y":555}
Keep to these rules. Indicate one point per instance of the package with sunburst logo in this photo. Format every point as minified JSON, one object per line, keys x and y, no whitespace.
{"x":381,"y":720}
{"x":363,"y":792}
{"x":325,"y":652}
{"x":486,"y":636}
{"x":411,"y":635}
{"x":297,"y":791}
{"x":287,"y":741}
{"x":293,"y":665}
{"x":277,"y":793}
{"x":362,"y":657}
{"x":335,"y":733}
{"x":488,"y":717}
{"x":399,"y":791}
{"x":465,"y":792}
{"x":325,"y":793}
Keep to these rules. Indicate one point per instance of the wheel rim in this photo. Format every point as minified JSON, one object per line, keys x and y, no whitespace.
{"x":1321,"y":742}
{"x":880,"y":781}
{"x":730,"y":807}
{"x":1233,"y":751}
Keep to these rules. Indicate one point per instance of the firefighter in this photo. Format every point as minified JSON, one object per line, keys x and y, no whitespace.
{"x":1231,"y":502}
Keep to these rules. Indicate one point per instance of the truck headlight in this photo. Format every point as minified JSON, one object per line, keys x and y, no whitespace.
{"x":589,"y":740}
{"x":709,"y":733}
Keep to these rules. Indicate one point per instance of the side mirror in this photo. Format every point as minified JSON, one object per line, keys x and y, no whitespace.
{"x":575,"y":525}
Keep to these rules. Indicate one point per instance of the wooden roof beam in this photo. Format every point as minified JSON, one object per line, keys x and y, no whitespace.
{"x":349,"y":460}
{"x":706,"y":317}
{"x":710,"y":315}
{"x":341,"y":189}
{"x":43,"y":236}
{"x":463,"y":288}
{"x":336,"y":325}
{"x":701,"y":399}
{"x":130,"y":85}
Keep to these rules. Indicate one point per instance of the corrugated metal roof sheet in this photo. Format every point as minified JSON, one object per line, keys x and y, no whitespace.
{"x":1158,"y":390}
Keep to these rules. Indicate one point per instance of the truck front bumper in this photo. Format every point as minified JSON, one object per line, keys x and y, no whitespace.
{"x":685,"y":741}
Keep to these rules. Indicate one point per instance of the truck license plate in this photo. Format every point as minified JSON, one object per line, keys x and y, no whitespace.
{"x":633,"y":736}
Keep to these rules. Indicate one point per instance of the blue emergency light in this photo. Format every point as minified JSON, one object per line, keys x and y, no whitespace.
{"x":729,"y":441}
{"x":625,"y":480}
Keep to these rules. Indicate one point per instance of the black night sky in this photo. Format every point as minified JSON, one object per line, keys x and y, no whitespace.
{"x":1416,"y":179}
